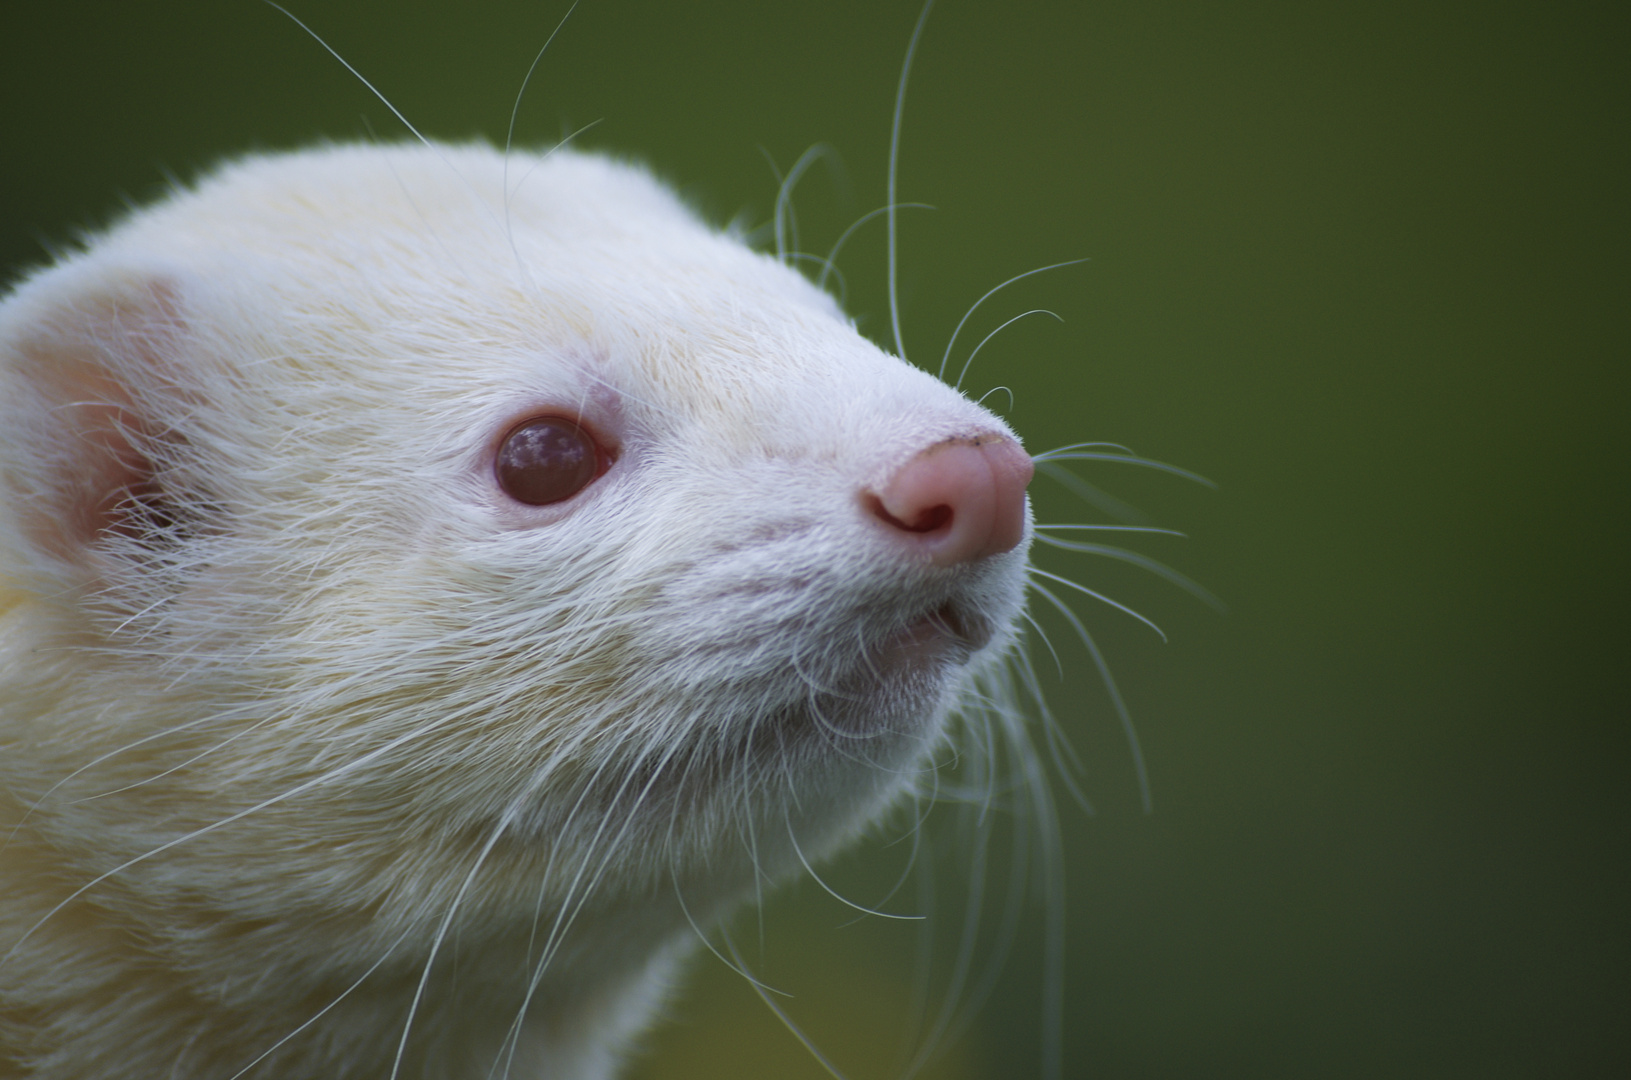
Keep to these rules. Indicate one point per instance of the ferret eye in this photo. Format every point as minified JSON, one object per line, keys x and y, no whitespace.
{"x":545,"y":460}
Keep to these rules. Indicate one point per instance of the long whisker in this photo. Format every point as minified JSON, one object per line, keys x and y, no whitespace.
{"x":515,"y":110}
{"x":1035,"y":572}
{"x":781,"y":1014}
{"x":709,"y":945}
{"x":890,"y":202}
{"x":574,"y":897}
{"x":966,"y":945}
{"x":1144,"y":562}
{"x":915,"y":833}
{"x":356,"y":74}
{"x":832,"y":255}
{"x":923,"y":960}
{"x":946,"y":357}
{"x":1112,"y":528}
{"x":834,"y":893}
{"x":1092,"y":495}
{"x":100,"y":759}
{"x":963,"y":371}
{"x":546,"y":953}
{"x":1066,"y":764}
{"x":298,"y":789}
{"x":994,"y":390}
{"x":1046,"y":819}
{"x":441,"y":932}
{"x":319,"y":1014}
{"x":786,"y":225}
{"x":1070,"y":453}
{"x":1027,"y":775}
{"x":1031,"y":621}
{"x":180,"y":765}
{"x":1110,"y":687}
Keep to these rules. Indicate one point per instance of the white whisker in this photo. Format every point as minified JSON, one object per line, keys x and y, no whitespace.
{"x":951,"y":342}
{"x":1110,"y":687}
{"x":781,"y":1014}
{"x":834,"y":893}
{"x":963,"y":371}
{"x":1073,"y":454}
{"x":299,"y":789}
{"x":1100,"y":597}
{"x":320,"y":1013}
{"x":1142,"y":561}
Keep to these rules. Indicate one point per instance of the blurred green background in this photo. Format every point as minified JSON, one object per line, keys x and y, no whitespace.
{"x":1362,"y":265}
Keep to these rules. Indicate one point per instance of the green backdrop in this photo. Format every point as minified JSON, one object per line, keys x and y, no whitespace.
{"x":1362,"y":265}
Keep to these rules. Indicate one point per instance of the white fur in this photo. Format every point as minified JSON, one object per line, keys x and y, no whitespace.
{"x":341,"y":757}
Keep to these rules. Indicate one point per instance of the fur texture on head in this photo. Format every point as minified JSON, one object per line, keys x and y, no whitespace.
{"x":324,"y":755}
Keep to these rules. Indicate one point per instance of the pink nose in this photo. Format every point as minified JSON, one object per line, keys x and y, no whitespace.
{"x":958,"y":501}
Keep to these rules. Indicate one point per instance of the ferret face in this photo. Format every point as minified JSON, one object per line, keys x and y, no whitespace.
{"x":412,"y":500}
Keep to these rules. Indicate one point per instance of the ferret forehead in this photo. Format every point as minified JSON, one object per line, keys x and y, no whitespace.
{"x":504,"y":241}
{"x":467,"y":243}
{"x":462,"y":197}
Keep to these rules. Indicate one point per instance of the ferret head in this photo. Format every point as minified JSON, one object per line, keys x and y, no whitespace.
{"x":410,"y":503}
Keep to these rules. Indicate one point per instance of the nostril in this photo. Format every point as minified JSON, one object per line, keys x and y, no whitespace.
{"x":958,"y":500}
{"x":928,"y":520}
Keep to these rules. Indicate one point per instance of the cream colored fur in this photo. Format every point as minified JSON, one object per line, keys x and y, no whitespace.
{"x":319,"y":758}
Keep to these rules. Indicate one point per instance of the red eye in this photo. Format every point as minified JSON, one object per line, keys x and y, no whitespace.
{"x":545,"y":460}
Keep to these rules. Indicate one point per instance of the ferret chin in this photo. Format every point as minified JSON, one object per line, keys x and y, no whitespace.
{"x":431,"y":604}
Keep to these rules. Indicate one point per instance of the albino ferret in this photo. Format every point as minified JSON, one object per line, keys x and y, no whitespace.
{"x":437,"y":589}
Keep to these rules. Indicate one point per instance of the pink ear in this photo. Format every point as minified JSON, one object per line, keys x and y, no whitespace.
{"x":86,"y":365}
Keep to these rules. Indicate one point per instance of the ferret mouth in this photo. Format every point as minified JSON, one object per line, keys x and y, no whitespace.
{"x":948,"y":633}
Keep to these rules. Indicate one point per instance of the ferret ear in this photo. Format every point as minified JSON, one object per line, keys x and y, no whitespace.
{"x":86,"y":366}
